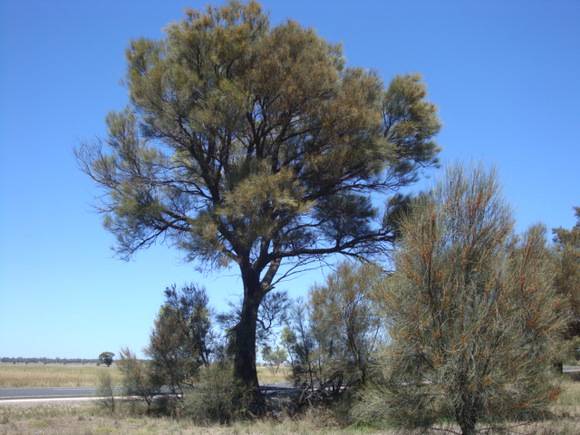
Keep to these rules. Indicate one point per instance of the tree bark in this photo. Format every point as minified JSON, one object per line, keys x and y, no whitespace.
{"x":466,"y":417}
{"x":245,"y":371}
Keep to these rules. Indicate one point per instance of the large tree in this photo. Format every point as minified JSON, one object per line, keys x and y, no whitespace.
{"x":254,"y":145}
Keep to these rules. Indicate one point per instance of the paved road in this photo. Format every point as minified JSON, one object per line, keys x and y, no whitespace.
{"x":46,"y":392}
{"x":49,"y":393}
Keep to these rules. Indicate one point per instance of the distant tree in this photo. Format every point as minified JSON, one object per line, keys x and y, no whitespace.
{"x":256,"y":146}
{"x":472,"y":310}
{"x":106,"y":358}
{"x":179,"y":343}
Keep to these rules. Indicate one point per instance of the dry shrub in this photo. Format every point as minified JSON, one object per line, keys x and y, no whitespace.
{"x":106,"y":391}
{"x":472,"y":312}
{"x":216,"y":398}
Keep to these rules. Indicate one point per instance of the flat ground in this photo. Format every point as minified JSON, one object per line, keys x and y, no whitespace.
{"x":54,"y":375}
{"x":90,"y":418}
{"x":86,"y":375}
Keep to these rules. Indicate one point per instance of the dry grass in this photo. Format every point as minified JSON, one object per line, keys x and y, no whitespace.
{"x":54,"y":375}
{"x":568,"y":405}
{"x":88,"y":419}
{"x":84,"y":418}
{"x":87,"y":375}
{"x":267,"y":376}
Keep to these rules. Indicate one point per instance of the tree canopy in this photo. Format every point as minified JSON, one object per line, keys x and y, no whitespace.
{"x":106,"y":358}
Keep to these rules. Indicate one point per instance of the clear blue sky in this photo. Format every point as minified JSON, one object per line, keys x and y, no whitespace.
{"x":505,"y":76}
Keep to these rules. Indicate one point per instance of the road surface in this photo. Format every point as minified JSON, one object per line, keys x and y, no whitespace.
{"x":46,"y":392}
{"x":50,"y":394}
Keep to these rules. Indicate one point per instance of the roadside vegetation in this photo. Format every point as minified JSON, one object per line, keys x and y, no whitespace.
{"x":255,"y":148}
{"x":91,"y":419}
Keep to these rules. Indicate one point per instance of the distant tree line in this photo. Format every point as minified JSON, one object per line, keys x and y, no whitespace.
{"x":42,"y":360}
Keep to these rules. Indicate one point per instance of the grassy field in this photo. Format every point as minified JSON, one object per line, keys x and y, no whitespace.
{"x":267,"y":376}
{"x":53,"y":375}
{"x":87,"y":375}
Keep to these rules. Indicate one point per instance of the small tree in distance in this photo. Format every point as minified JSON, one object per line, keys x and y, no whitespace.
{"x":106,"y":358}
{"x":474,"y":319}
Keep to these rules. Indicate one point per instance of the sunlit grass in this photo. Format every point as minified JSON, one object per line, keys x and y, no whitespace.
{"x":54,"y":375}
{"x":267,"y":376}
{"x":87,"y":375}
{"x":86,"y":418}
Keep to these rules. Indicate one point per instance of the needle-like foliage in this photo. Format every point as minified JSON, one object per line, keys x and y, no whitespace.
{"x":180,"y":341}
{"x":473,"y":314}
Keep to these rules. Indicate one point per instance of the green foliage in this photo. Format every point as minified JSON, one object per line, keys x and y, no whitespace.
{"x":137,"y":378}
{"x":331,"y":340}
{"x":473,"y":316}
{"x":262,"y":128}
{"x":179,"y":343}
{"x":106,"y":358}
{"x":299,"y":342}
{"x":216,"y":398}
{"x":345,"y":322}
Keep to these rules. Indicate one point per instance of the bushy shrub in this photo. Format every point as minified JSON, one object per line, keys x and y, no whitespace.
{"x":473,"y":317}
{"x":217,"y":398}
{"x":331,"y":339}
{"x":180,"y":341}
{"x":137,"y":379}
{"x":106,"y":392}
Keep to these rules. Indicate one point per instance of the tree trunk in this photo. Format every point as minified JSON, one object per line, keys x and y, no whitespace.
{"x":467,"y":426}
{"x":245,"y":371}
{"x":466,"y":417}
